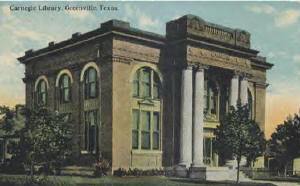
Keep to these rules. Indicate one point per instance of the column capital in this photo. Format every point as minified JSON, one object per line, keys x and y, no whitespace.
{"x":188,"y":67}
{"x":236,"y":74}
{"x":245,"y":75}
{"x":201,"y":67}
{"x":261,"y":84}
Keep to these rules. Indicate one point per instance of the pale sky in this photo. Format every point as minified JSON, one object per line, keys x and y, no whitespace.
{"x":274,"y":28}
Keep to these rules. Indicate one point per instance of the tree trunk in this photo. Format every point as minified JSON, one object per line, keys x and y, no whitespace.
{"x":238,"y":170}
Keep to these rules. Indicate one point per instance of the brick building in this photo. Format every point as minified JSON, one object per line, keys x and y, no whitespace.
{"x":146,"y":100}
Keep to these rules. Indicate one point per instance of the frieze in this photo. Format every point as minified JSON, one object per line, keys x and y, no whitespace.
{"x":136,"y":54}
{"x":211,"y":32}
{"x":122,"y":59}
{"x":219,"y":59}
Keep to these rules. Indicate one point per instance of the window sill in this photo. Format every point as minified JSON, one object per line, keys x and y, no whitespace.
{"x":87,"y":152}
{"x":142,"y":151}
{"x":84,"y":152}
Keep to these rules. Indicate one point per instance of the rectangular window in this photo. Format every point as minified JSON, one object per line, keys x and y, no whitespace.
{"x":156,"y":130}
{"x":146,"y":83}
{"x":136,"y":85}
{"x":135,"y":129}
{"x":66,"y":95}
{"x":92,"y":88}
{"x":207,"y":151}
{"x":155,"y":91}
{"x":145,"y":122}
{"x":91,"y":130}
{"x":156,"y":87}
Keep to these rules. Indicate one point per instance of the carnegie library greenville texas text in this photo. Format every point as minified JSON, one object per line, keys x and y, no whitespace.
{"x":57,"y":8}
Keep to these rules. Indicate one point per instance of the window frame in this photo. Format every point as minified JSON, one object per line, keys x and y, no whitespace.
{"x":151,"y":132}
{"x":63,"y":89}
{"x":88,"y":83}
{"x":139,"y":82}
{"x":87,"y":130}
{"x":135,"y":130}
{"x":208,"y":155}
{"x":41,"y":97}
{"x":211,"y":98}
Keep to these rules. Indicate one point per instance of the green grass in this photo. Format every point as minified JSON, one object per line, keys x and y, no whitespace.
{"x":281,"y":179}
{"x":18,"y":180}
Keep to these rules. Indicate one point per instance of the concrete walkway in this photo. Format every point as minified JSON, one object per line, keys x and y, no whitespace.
{"x":244,"y":178}
{"x":278,"y":183}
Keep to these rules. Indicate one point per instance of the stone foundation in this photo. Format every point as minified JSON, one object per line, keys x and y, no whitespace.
{"x":181,"y":171}
{"x":198,"y":173}
{"x":217,"y":173}
{"x":201,"y":173}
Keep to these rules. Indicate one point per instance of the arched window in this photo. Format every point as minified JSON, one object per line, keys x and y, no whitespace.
{"x":65,"y":89}
{"x":146,"y":84}
{"x":41,"y":93}
{"x":90,"y":83}
{"x":146,"y":118}
{"x":211,"y":99}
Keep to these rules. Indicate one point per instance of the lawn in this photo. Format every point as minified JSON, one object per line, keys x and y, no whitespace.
{"x":17,"y":180}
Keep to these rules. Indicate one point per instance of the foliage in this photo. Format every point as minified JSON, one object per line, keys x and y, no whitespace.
{"x":45,"y":139}
{"x":285,"y":142}
{"x":10,"y":126}
{"x":21,"y":180}
{"x":256,"y":143}
{"x":6,"y":122}
{"x":238,"y":136}
{"x":139,"y":172}
{"x":102,"y":166}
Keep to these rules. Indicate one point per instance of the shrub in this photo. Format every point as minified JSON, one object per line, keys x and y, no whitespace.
{"x":12,"y":167}
{"x":139,"y":172}
{"x":102,"y":166}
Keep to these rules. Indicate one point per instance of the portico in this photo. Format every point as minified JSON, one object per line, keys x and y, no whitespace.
{"x":192,"y":111}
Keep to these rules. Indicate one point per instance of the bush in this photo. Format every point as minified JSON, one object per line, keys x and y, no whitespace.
{"x":139,"y":172}
{"x":27,"y":181}
{"x":12,"y":167}
{"x":102,"y":166}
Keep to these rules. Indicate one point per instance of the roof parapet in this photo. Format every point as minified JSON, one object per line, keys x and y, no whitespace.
{"x":29,"y":52}
{"x":115,"y":24}
{"x":76,"y":35}
{"x":196,"y":26}
{"x":51,"y":44}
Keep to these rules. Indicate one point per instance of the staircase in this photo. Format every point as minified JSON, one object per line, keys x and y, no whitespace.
{"x":232,"y":165}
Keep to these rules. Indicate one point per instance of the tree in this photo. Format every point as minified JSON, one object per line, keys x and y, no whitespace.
{"x":7,"y":120}
{"x":256,"y":143}
{"x":10,"y":125}
{"x":285,"y":142}
{"x":239,"y":136}
{"x":45,"y":139}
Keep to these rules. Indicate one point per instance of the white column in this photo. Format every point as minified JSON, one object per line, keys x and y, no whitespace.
{"x":198,"y":119}
{"x":186,"y":117}
{"x":244,"y":91}
{"x":234,"y":90}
